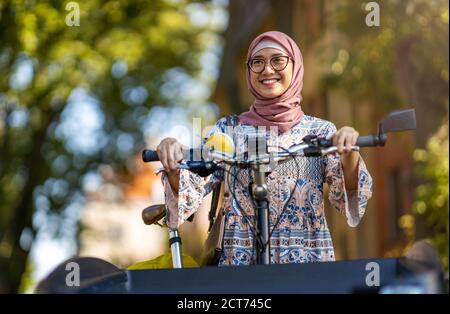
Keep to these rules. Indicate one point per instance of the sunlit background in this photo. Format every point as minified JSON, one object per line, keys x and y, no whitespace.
{"x":79,"y":103}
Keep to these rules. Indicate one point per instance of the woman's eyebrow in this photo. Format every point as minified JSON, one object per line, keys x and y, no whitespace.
{"x":262,"y":57}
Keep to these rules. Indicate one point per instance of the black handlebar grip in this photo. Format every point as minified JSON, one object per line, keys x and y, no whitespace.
{"x":149,"y":155}
{"x":312,"y":152}
{"x":367,"y":140}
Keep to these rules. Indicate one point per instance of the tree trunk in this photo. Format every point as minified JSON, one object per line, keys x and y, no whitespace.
{"x":23,"y":213}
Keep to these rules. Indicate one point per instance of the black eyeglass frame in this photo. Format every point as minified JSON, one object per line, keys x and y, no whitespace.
{"x":270,"y":62}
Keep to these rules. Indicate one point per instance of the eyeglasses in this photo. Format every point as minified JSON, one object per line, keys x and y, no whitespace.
{"x":278,"y":63}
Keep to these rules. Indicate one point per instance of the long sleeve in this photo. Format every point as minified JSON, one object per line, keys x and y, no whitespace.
{"x":192,"y":189}
{"x":351,"y":203}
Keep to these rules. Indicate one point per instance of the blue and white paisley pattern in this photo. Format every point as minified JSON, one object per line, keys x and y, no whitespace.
{"x":299,"y":233}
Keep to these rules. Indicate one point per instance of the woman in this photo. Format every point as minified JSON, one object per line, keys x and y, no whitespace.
{"x":299,"y":229}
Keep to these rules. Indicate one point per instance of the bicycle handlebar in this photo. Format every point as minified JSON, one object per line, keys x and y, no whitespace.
{"x":311,"y":147}
{"x":371,"y":140}
{"x":149,"y":155}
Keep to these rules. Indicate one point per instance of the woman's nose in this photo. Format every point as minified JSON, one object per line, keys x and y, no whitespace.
{"x":268,"y":68}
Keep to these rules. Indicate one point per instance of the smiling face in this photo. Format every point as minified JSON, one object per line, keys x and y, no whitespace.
{"x":271,"y":83}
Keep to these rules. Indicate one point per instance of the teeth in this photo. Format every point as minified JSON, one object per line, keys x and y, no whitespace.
{"x":269,"y":81}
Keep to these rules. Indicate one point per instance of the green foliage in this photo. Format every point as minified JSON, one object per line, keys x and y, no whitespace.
{"x":407,"y":54}
{"x":121,"y":49}
{"x":432,"y":196}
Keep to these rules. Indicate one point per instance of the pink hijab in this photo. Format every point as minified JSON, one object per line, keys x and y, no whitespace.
{"x":283,"y":111}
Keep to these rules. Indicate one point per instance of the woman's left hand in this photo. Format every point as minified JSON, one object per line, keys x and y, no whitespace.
{"x":344,"y":139}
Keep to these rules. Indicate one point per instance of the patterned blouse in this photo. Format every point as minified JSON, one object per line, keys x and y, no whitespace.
{"x":299,"y":230}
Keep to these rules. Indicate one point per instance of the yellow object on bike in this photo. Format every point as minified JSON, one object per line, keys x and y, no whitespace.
{"x":163,"y":261}
{"x":221,"y":142}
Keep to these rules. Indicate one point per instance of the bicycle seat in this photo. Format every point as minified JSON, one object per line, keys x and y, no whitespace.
{"x":153,"y":213}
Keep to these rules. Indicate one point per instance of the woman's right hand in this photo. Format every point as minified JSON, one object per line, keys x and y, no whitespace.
{"x":170,"y":152}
